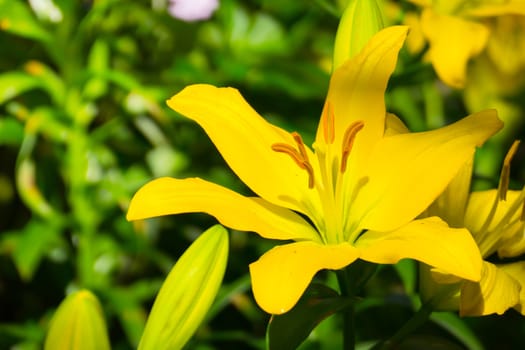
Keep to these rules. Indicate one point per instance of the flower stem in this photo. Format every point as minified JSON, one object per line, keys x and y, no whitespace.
{"x":349,"y":328}
{"x":349,"y":312}
{"x":351,"y":279}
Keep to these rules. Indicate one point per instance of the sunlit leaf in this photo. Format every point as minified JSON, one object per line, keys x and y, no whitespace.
{"x":11,"y":131}
{"x":15,"y":83}
{"x":458,"y":328}
{"x":17,"y":18}
{"x":98,"y":64}
{"x":33,"y":242}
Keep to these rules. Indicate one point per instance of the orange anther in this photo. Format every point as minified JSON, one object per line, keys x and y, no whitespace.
{"x":348,"y":141}
{"x":300,"y":157}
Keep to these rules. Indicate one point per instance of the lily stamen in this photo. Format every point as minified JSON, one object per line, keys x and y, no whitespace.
{"x":348,"y":141}
{"x":300,"y":145}
{"x":292,"y":152}
{"x":505,"y":171}
{"x":300,"y":157}
{"x":503,"y":187}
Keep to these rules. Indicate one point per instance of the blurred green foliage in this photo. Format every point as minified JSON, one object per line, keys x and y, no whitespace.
{"x":83,"y":125}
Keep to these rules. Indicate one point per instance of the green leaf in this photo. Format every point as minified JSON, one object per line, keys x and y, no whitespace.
{"x":458,"y":328}
{"x":29,"y":331}
{"x":188,"y":292}
{"x":407,"y":271}
{"x":289,"y":330}
{"x":254,"y":35}
{"x":15,"y":83}
{"x":127,"y":303}
{"x":17,"y":18}
{"x":11,"y":132}
{"x":227,"y":293}
{"x":35,"y":75}
{"x":98,"y":63}
{"x":49,"y":80}
{"x":32,"y":244}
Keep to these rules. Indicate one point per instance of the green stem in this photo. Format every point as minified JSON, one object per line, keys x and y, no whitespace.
{"x":345,"y":285}
{"x":351,"y":280}
{"x":349,"y":328}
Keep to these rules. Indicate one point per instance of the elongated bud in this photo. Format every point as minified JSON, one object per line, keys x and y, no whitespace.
{"x":187,"y":292}
{"x":360,"y":21}
{"x":78,"y":324}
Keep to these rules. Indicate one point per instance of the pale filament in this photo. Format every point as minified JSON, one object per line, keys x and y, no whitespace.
{"x":505,"y":171}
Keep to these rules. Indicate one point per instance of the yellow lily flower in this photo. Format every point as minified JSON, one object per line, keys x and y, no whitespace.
{"x":353,"y":195}
{"x":458,"y":30}
{"x":497,"y":76}
{"x":496,"y":220}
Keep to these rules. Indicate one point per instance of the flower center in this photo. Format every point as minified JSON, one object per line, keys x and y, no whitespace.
{"x":300,"y":156}
{"x":325,"y":170}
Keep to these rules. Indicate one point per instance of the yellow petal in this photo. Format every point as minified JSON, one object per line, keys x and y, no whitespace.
{"x":245,"y":141}
{"x":495,"y":293}
{"x":440,"y":289}
{"x":452,"y":203}
{"x":497,"y":10}
{"x":428,"y":240}
{"x":506,"y":47}
{"x":506,"y":237}
{"x":167,"y":196}
{"x":453,"y":41}
{"x":357,"y":89}
{"x":479,"y":207}
{"x":394,"y":125}
{"x":517,"y":272}
{"x":415,"y":40}
{"x":512,"y":243}
{"x":414,"y":168}
{"x":281,"y":275}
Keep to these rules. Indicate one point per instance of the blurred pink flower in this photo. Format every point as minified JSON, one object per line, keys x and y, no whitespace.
{"x":192,"y":10}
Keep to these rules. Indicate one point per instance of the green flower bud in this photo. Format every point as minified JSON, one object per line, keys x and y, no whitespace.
{"x":78,"y":324}
{"x":187,"y":292}
{"x":360,"y":21}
